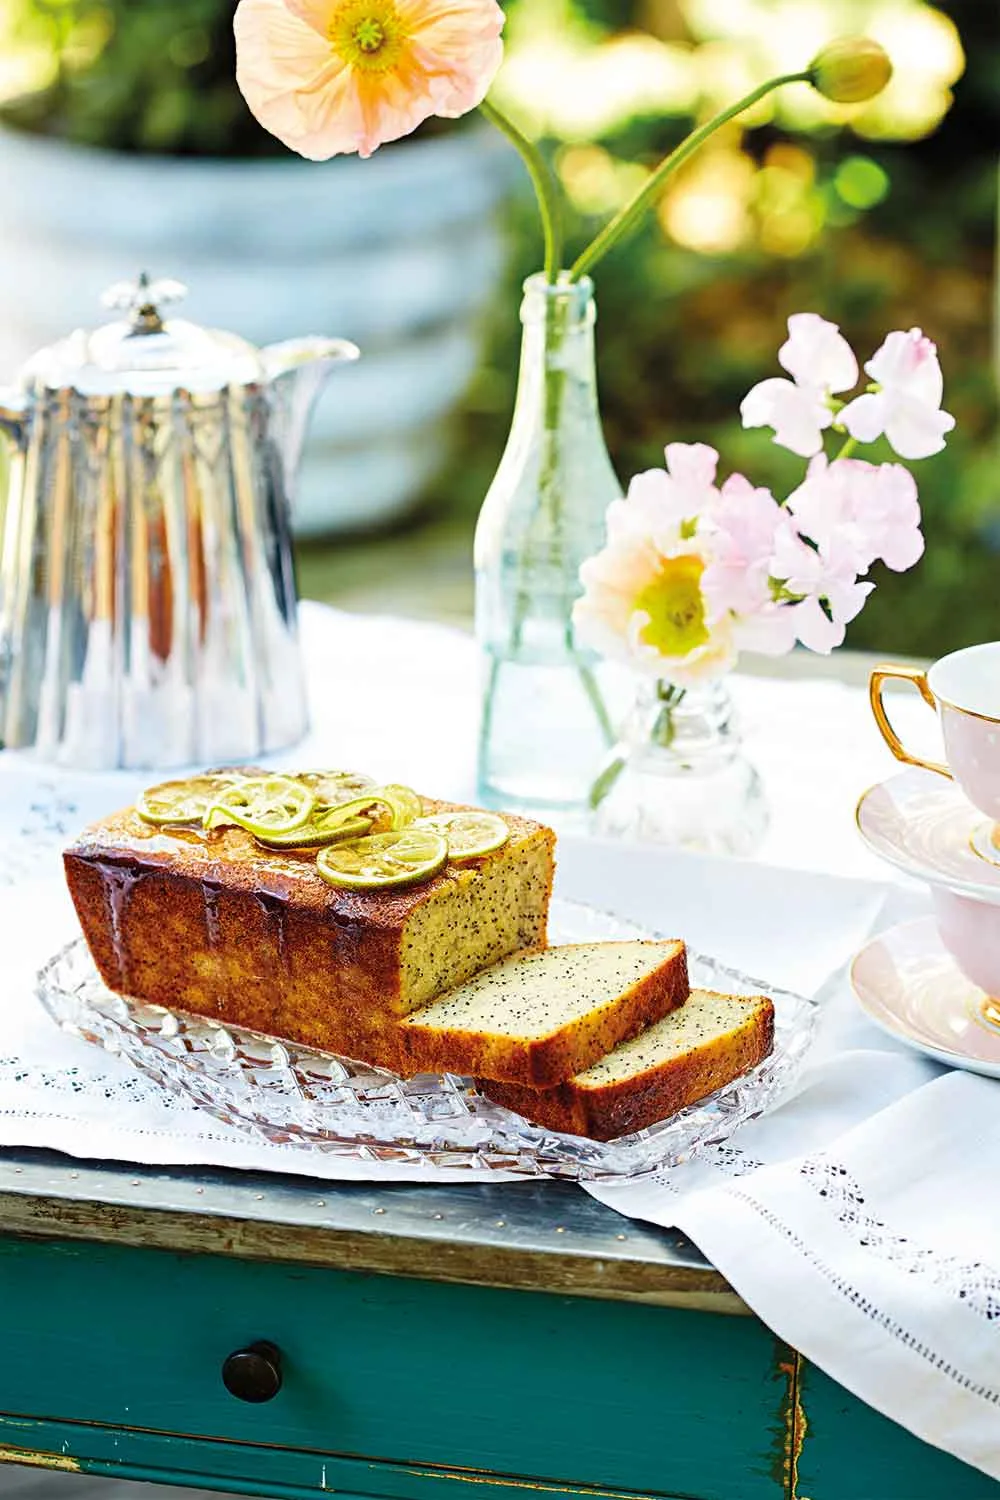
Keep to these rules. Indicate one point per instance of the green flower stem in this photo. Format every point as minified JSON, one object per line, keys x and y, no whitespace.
{"x":606,"y":779}
{"x":626,"y":220}
{"x":544,"y":183}
{"x":669,"y":696}
{"x":848,"y":448}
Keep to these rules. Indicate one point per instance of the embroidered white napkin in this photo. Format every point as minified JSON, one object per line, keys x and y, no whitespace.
{"x":859,"y":1223}
{"x":857,"y":1219}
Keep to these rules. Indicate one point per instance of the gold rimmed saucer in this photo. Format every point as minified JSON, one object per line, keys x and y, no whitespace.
{"x":924,"y":826}
{"x":985,"y":841}
{"x":910,"y":986}
{"x":990,"y":1011}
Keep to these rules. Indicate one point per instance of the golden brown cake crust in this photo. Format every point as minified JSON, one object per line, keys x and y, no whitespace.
{"x":543,"y":1061}
{"x":631,"y":1104}
{"x":217,"y":926}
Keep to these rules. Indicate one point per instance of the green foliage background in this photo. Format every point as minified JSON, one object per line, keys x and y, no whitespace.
{"x":682,"y":333}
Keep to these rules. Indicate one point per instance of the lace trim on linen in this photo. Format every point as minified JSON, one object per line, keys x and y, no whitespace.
{"x":727,"y":1161}
{"x":865,"y":1305}
{"x":973,"y":1283}
{"x":47,"y":822}
{"x":64,"y":1085}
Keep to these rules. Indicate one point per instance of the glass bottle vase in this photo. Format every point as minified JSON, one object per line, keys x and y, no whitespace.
{"x":544,"y":728}
{"x":678,"y":775}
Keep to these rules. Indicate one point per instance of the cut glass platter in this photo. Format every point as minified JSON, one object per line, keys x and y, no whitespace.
{"x":293,"y":1095}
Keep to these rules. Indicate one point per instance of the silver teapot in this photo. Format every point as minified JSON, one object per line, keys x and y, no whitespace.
{"x":147,"y":596}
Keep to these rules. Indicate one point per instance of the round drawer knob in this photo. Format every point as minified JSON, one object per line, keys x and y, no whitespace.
{"x":254,"y":1373}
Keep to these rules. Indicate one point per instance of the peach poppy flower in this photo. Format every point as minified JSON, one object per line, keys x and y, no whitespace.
{"x":334,"y":76}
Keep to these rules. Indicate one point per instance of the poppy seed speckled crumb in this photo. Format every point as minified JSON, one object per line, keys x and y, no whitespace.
{"x":540,"y":1017}
{"x":705,"y":1043}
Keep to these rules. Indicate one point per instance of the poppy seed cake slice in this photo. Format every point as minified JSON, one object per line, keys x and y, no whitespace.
{"x":708,"y":1042}
{"x":540,"y":1017}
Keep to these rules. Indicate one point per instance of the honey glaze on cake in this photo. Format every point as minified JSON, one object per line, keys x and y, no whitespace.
{"x":214,"y":924}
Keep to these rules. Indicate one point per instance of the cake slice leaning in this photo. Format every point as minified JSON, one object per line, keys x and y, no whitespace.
{"x":709,"y":1041}
{"x":538,"y":1018}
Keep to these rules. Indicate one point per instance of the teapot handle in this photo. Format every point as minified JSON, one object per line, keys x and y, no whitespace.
{"x":14,"y":407}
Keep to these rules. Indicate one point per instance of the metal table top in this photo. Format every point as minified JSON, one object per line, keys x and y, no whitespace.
{"x":535,"y":1236}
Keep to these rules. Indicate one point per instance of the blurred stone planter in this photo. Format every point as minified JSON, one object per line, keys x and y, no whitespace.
{"x":401,"y":253}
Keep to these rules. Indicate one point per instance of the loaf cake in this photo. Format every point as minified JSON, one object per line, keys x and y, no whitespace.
{"x":710,"y":1040}
{"x":538,"y":1018}
{"x":216,"y":925}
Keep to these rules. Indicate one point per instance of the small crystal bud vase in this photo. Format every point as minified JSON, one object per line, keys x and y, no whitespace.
{"x":544,"y":726}
{"x":678,"y":775}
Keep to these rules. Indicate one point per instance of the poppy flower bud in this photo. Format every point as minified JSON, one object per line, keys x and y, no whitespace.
{"x":850,"y":70}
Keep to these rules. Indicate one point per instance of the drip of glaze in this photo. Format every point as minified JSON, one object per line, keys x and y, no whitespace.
{"x":213,"y":930}
{"x":118,"y":883}
{"x":274,"y":909}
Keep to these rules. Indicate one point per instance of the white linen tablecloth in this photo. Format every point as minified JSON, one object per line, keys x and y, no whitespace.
{"x":857,"y":1219}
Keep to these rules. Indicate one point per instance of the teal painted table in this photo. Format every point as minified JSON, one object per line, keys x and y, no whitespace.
{"x":427,"y":1340}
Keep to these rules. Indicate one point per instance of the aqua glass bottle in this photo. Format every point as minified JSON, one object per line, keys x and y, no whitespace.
{"x":544,"y":729}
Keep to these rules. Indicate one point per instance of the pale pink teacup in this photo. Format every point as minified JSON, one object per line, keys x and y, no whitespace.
{"x":964,"y":689}
{"x":970,"y":930}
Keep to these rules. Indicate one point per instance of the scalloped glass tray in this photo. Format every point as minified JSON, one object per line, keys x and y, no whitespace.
{"x":292,"y":1095}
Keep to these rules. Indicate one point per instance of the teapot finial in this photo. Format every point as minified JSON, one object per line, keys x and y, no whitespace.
{"x":142,"y":299}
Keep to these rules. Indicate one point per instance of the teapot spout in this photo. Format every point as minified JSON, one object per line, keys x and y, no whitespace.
{"x":297,"y":368}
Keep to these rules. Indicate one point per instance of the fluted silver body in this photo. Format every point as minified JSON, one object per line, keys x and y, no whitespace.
{"x":147,"y":597}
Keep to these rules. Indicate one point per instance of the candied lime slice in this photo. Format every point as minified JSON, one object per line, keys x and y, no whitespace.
{"x":333,"y":787}
{"x":366,"y":806}
{"x":470,"y":834}
{"x":316,"y":833}
{"x":182,"y":801}
{"x":391,"y":808}
{"x":384,"y":860}
{"x":262,"y":805}
{"x":402,"y":802}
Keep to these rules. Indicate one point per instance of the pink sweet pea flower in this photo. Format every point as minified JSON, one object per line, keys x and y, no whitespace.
{"x":660,"y":501}
{"x":770,"y":631}
{"x":744,"y":522}
{"x":871,"y":511}
{"x":907,"y":407}
{"x":891,"y":517}
{"x":820,"y":362}
{"x":821,"y":576}
{"x":334,"y":76}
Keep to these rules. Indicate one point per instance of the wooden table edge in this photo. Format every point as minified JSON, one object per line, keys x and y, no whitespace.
{"x":530,"y":1237}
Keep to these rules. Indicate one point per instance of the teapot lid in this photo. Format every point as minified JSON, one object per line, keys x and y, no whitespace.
{"x":143,"y":354}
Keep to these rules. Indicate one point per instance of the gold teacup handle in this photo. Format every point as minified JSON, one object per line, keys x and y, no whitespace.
{"x":877,"y":680}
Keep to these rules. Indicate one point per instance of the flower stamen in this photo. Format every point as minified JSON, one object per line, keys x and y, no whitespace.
{"x":368,"y":34}
{"x":675,"y":606}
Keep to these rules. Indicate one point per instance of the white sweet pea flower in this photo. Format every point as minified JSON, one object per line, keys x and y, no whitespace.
{"x":820,"y":362}
{"x":907,"y":407}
